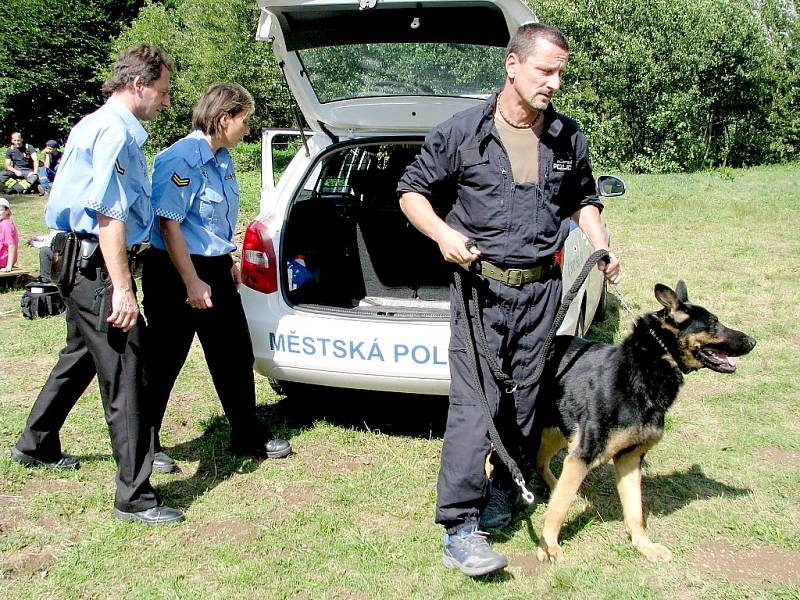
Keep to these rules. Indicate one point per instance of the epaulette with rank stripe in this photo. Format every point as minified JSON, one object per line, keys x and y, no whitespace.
{"x":180,"y":182}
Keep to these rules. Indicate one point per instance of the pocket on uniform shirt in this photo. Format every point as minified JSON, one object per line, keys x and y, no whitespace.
{"x":232,"y":188}
{"x":211,"y":206}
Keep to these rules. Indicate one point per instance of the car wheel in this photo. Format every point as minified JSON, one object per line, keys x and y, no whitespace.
{"x":280,"y":387}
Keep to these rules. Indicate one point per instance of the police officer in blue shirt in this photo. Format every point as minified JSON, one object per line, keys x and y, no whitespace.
{"x":101,"y":203}
{"x":190,"y":280}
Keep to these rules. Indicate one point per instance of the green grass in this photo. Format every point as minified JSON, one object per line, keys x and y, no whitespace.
{"x":350,"y":514}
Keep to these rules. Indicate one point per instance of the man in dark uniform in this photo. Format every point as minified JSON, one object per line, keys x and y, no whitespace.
{"x":518,"y":171}
{"x":102,"y":196}
{"x":21,"y":162}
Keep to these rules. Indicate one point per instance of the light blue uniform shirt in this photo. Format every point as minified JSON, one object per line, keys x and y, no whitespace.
{"x":198,"y":189}
{"x":103,"y":171}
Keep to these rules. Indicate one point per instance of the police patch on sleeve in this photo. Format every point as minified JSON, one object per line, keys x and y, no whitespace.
{"x":118,"y":167}
{"x":179,"y":181}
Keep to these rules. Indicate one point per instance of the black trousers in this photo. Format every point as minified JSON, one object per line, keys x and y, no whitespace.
{"x":516,"y":321}
{"x":222,"y":329}
{"x":116,"y":358}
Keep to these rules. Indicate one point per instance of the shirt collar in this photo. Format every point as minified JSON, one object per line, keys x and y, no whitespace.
{"x":203,"y":148}
{"x":552,"y":121}
{"x":134,"y":126}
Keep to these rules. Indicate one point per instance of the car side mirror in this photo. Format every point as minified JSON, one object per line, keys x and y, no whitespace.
{"x":609,"y":186}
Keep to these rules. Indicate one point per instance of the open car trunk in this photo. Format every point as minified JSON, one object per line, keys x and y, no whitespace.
{"x":349,"y":247}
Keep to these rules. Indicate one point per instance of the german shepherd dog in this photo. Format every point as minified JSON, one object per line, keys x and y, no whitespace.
{"x":607,"y":402}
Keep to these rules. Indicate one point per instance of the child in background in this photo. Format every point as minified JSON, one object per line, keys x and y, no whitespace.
{"x":9,"y":238}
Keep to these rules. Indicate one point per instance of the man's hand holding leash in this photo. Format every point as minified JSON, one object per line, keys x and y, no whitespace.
{"x":611,"y":270}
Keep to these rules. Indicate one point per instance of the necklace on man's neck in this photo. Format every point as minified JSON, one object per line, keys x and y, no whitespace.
{"x":518,"y":125}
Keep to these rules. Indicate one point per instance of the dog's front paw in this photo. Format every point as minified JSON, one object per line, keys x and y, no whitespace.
{"x":549,"y":552}
{"x":654,"y":552}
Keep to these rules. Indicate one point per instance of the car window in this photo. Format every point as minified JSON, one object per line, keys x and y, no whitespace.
{"x":419,"y":69}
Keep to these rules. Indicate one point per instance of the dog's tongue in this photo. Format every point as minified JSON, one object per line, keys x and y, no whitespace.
{"x":724,"y":359}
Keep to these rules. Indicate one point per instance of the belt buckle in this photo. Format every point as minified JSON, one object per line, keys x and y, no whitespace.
{"x":514,"y":277}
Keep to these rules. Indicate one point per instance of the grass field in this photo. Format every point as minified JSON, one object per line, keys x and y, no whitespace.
{"x":350,"y":514}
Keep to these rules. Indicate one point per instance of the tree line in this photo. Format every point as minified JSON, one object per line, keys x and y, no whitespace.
{"x":657,"y":85}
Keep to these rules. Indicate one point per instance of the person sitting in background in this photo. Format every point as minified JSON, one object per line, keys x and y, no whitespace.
{"x":9,"y":238}
{"x":50,"y":161}
{"x":20,"y":174}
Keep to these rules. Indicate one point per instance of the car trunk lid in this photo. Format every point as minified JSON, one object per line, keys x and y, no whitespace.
{"x":388,"y":66}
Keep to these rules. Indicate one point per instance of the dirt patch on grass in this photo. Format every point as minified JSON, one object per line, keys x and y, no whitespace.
{"x":13,"y":506}
{"x":221,"y":531}
{"x":755,"y":567}
{"x":34,"y":487}
{"x":327,"y":459}
{"x":780,"y":456}
{"x":526,"y":565}
{"x":27,"y":562}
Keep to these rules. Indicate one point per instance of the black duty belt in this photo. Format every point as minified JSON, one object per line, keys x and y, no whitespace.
{"x":514,"y":276}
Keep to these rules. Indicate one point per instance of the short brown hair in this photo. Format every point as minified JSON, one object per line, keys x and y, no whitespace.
{"x":217,"y":100}
{"x":524,"y":40}
{"x":144,"y":61}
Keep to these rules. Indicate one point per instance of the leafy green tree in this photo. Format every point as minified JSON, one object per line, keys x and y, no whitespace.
{"x":50,"y":53}
{"x":211,"y":41}
{"x":664,"y":85}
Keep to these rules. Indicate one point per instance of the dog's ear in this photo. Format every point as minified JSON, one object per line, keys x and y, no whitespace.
{"x":671,"y":301}
{"x":667,"y":297}
{"x":681,"y":291}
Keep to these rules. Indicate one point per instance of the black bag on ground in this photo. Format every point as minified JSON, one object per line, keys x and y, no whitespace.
{"x":40,"y":300}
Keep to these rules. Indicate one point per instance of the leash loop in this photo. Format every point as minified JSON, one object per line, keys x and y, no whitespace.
{"x":527,"y":495}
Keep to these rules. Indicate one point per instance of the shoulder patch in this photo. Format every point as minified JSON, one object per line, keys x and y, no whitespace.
{"x":230,"y":176}
{"x":118,"y":167}
{"x":179,"y":181}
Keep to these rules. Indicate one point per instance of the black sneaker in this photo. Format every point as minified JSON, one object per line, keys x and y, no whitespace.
{"x":499,"y":509}
{"x":67,"y":462}
{"x":468,"y":551}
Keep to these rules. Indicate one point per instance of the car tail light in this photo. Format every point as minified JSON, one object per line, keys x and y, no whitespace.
{"x":559,"y":257}
{"x":259,"y":266}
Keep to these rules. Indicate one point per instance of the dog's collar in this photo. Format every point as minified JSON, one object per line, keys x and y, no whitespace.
{"x":669,"y":354}
{"x":659,"y":340}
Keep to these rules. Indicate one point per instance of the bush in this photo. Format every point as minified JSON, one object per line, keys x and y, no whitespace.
{"x":666,"y":85}
{"x":211,"y":41}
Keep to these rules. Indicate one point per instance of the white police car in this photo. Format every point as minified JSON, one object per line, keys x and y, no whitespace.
{"x":339,"y":290}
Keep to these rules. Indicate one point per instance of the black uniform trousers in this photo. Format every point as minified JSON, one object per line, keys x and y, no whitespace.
{"x":516,"y":321}
{"x":223,"y":333}
{"x":116,"y":358}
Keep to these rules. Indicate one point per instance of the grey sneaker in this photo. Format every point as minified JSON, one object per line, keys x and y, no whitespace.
{"x":468,"y":551}
{"x":499,"y":509}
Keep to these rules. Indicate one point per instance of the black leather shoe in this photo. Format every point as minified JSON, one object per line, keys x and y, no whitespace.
{"x":274,"y":448}
{"x":67,"y":462}
{"x":158,"y":515}
{"x":163,"y":462}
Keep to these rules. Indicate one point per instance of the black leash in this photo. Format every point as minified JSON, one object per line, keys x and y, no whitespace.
{"x":509,"y":384}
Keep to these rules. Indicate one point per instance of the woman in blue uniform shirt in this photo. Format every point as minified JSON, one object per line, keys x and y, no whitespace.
{"x":190,"y":280}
